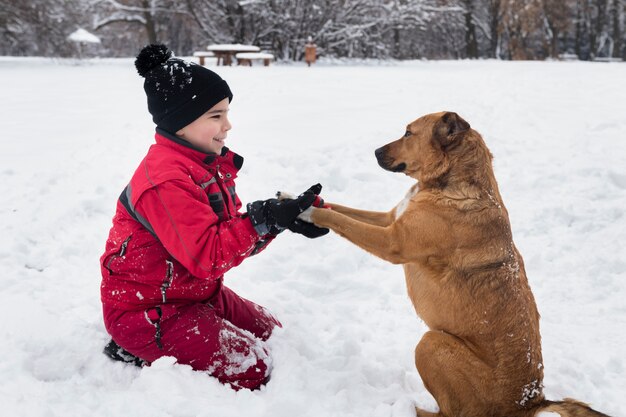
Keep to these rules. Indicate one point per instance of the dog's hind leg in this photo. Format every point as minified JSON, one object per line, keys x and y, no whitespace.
{"x":458,"y":380}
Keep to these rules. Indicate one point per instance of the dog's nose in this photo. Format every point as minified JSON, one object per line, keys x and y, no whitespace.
{"x":380,"y":153}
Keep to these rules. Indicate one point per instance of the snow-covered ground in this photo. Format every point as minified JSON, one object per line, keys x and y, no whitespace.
{"x":72,"y":134}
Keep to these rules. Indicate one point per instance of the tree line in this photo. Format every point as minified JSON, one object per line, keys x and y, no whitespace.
{"x":398,"y":29}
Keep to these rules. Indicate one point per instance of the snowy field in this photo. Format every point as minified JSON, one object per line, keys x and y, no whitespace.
{"x":74,"y":133}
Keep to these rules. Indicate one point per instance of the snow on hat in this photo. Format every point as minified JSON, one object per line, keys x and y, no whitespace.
{"x":178,"y":91}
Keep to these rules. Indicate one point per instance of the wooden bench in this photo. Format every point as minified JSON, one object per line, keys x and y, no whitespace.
{"x":201,"y":55}
{"x":225,"y":53}
{"x":246,"y":58}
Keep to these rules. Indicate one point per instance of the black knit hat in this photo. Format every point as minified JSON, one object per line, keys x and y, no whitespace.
{"x":178,"y":91}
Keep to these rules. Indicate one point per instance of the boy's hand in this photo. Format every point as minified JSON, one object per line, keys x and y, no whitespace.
{"x":307,"y":229}
{"x":273,"y":216}
{"x":300,"y":226}
{"x":315,"y":189}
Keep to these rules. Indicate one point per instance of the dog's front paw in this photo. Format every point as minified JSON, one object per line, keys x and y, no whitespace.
{"x":284,"y":195}
{"x":306,"y":214}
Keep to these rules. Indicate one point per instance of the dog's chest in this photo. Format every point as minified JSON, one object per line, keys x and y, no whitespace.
{"x":427,"y":297}
{"x":402,"y":206}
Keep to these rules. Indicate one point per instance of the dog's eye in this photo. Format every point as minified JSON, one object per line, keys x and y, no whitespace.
{"x":407,"y":134}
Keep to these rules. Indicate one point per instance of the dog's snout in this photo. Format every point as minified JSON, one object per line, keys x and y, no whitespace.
{"x":386,"y":162}
{"x":383,"y":159}
{"x":380,"y":153}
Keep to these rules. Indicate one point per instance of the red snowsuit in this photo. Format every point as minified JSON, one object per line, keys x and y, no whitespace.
{"x":176,"y":231}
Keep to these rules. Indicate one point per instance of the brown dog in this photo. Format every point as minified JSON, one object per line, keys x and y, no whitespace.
{"x":464,"y":275}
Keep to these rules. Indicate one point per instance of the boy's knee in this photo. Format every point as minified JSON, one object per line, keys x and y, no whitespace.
{"x":242,"y":360}
{"x":246,"y":374}
{"x":269,"y":323}
{"x":252,"y":379}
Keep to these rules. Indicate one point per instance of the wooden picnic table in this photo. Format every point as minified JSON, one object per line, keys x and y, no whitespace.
{"x":225,"y":52}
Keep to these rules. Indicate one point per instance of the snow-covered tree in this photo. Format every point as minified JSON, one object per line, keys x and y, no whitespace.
{"x":599,"y":28}
{"x":147,"y":14}
{"x":40,"y":27}
{"x":402,"y":29}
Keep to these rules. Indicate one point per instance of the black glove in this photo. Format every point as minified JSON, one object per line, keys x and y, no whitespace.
{"x":307,"y":229}
{"x":273,"y":216}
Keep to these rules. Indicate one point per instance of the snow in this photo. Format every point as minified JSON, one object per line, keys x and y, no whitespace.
{"x":81,"y":35}
{"x":233,"y":47}
{"x":254,"y":55}
{"x":73,"y":135}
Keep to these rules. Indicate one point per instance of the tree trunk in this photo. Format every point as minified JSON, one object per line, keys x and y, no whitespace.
{"x":553,"y":18}
{"x":242,"y":24}
{"x":554,"y":43}
{"x":494,"y":24}
{"x":149,"y":25}
{"x":471,"y":44}
{"x":579,"y":31}
{"x":595,"y":33}
{"x":623,"y":39}
{"x":617,"y":30}
{"x":396,"y":43}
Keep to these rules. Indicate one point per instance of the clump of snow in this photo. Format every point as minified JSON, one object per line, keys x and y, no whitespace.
{"x":239,"y":362}
{"x":530,"y":391}
{"x":81,"y":35}
{"x":73,"y":135}
{"x":233,"y":47}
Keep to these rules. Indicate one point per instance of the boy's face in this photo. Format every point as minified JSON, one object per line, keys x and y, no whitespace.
{"x":208,"y":131}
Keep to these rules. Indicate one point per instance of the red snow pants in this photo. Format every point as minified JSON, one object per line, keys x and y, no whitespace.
{"x":224,"y":336}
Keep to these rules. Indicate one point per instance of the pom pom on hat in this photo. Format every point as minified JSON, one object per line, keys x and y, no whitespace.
{"x":178,"y":91}
{"x":150,"y":57}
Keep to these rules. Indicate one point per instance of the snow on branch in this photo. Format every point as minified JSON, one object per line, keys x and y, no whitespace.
{"x":117,"y":18}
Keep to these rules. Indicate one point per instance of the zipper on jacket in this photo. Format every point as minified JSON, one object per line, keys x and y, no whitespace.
{"x":121,"y":253}
{"x":225,"y":194}
{"x":169,"y":276}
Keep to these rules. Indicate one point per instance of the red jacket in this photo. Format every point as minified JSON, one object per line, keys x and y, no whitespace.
{"x":177,"y":228}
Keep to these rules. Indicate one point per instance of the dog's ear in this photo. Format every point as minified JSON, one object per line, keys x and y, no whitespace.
{"x":448,"y":129}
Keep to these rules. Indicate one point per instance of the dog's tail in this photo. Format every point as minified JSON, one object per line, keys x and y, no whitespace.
{"x":568,"y":408}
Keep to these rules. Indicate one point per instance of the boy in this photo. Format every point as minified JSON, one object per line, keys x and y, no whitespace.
{"x":177,"y":230}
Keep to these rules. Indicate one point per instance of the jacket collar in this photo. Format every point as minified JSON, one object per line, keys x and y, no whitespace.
{"x":227,"y":159}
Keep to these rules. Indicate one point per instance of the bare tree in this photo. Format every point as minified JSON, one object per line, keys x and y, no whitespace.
{"x":598,"y":35}
{"x":149,"y":14}
{"x":39,"y":27}
{"x":521,"y":25}
{"x":599,"y":28}
{"x":471,"y":43}
{"x":494,"y":13}
{"x":618,"y":16}
{"x":557,"y":17}
{"x":403,"y":29}
{"x":212,"y":18}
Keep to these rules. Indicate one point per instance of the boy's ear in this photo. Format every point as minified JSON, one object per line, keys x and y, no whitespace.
{"x":449,"y":128}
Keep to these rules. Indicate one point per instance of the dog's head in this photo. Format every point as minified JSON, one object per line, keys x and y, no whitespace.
{"x":423,"y":151}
